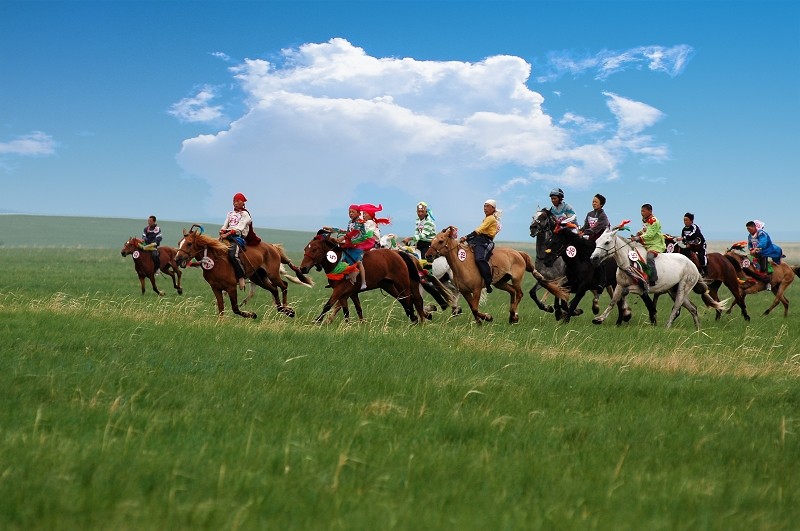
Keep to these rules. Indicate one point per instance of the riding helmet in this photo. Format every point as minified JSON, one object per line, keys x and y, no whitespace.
{"x":558,"y":192}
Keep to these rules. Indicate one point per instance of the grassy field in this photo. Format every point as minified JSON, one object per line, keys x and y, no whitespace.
{"x":129,"y":411}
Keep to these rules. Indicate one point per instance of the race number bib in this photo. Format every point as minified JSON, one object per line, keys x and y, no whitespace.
{"x":331,"y":256}
{"x":135,"y":254}
{"x":670,"y":247}
{"x":207,"y":263}
{"x":746,"y":263}
{"x":571,"y":251}
{"x":633,"y":256}
{"x":462,"y":255}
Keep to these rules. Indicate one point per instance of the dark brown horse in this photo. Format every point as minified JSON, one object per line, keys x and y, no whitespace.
{"x":262,"y":265}
{"x":720,"y":271}
{"x":145,"y":267}
{"x":392,"y":271}
{"x":780,"y":279}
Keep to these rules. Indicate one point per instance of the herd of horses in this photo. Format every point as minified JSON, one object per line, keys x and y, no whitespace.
{"x":566,"y":265}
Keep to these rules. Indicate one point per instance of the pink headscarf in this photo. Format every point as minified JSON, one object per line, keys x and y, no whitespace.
{"x":371,"y":210}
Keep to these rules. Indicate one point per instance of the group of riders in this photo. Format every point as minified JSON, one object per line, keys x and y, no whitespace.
{"x":362,"y":233}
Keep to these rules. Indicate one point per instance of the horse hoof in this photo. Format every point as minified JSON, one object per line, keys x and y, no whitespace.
{"x":549,"y":309}
{"x":577,"y":311}
{"x":595,"y":310}
{"x":488,"y":318}
{"x":457,"y":311}
{"x":597,"y":321}
{"x":180,"y":291}
{"x":253,"y":316}
{"x":161,"y":293}
{"x":513,"y":318}
{"x":627,"y":317}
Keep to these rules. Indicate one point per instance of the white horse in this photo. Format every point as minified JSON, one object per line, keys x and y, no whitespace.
{"x":677,"y":275}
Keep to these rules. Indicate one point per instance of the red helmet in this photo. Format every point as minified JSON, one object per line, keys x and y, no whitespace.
{"x":240,"y":197}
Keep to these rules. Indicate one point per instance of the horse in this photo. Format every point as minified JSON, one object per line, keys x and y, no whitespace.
{"x":145,"y":267}
{"x":435,"y":277}
{"x":261,"y":265}
{"x":542,"y":226}
{"x":394,"y":272}
{"x":676,"y":275}
{"x":581,"y":274}
{"x":780,"y":279}
{"x":508,"y":268}
{"x":720,"y":271}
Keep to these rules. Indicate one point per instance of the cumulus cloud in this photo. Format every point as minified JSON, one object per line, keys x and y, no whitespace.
{"x":34,"y":144}
{"x":198,"y":108}
{"x":342,"y":126}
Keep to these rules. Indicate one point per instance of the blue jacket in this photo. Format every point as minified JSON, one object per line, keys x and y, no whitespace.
{"x":761,"y":241}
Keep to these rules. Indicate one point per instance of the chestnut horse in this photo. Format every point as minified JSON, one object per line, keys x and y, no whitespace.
{"x":261,"y":265}
{"x":145,"y":268}
{"x":394,"y":272}
{"x":508,"y":269}
{"x":720,"y":271}
{"x":780,"y":279}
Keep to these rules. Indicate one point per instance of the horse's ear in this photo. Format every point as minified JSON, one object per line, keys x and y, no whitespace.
{"x":185,"y":232}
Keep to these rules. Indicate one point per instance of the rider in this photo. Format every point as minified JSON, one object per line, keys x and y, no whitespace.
{"x":425,"y":229}
{"x":653,"y":240}
{"x":354,"y":234}
{"x":561,"y":210}
{"x":482,"y":240}
{"x":761,"y":246}
{"x":596,"y":221}
{"x":235,"y":230}
{"x":371,"y":229}
{"x":152,"y":239}
{"x":694,"y":240}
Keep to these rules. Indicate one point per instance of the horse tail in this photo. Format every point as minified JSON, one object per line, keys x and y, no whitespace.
{"x":300,"y":277}
{"x":796,"y":270}
{"x":701,"y":288}
{"x":555,"y":287}
{"x":412,"y":265}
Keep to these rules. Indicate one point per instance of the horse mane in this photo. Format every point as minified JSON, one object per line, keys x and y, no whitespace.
{"x":212,"y":243}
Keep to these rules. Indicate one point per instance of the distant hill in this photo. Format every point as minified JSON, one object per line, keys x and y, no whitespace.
{"x":21,"y":230}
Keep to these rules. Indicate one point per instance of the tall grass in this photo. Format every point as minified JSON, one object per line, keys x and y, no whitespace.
{"x":132,"y":411}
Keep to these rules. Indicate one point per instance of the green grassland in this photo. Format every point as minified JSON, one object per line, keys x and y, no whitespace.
{"x":130,"y":411}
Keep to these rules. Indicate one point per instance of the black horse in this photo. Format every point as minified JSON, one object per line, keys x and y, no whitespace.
{"x":582,"y":275}
{"x":542,"y":230}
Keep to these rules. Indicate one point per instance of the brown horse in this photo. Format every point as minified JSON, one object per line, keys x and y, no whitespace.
{"x":261,"y":265}
{"x":508,"y":269}
{"x":780,"y":279}
{"x":145,"y":267}
{"x":720,"y":271}
{"x":392,"y":271}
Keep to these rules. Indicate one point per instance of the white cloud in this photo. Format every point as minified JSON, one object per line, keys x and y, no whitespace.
{"x":669,"y":60}
{"x":36,"y":143}
{"x":342,"y":126}
{"x":197,"y":108}
{"x":632,"y":116}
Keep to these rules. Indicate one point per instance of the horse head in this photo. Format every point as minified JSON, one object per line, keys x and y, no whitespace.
{"x":541,"y":223}
{"x":130,"y":246}
{"x":190,"y":246}
{"x":316,"y":252}
{"x":605,"y":246}
{"x":440,"y":244}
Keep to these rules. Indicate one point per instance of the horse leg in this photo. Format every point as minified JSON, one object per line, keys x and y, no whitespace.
{"x":234,"y":297}
{"x":515,"y":293}
{"x":713,"y":292}
{"x":220,"y":301}
{"x":652,"y":309}
{"x":545,"y":308}
{"x":141,"y":281}
{"x":623,"y":312}
{"x":357,"y":304}
{"x":175,"y":274}
{"x":576,"y":300}
{"x":153,"y":283}
{"x":596,"y":301}
{"x":615,"y":298}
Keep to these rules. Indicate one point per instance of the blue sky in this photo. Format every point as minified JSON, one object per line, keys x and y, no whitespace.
{"x":126,"y":109}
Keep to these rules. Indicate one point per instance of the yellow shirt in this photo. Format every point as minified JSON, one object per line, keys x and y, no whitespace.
{"x":488,"y":226}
